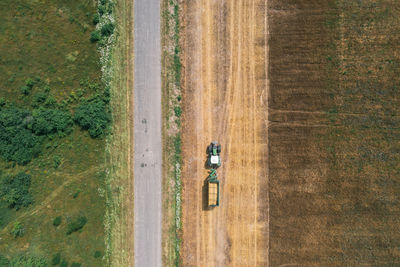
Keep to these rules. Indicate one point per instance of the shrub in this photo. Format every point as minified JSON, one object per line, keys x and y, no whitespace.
{"x":18,"y":230}
{"x":178,"y":111}
{"x":64,"y":263}
{"x":56,"y":161}
{"x":107,"y":29}
{"x":50,"y":121}
{"x":2,"y":102}
{"x":102,"y":10}
{"x":75,"y":264}
{"x":15,"y":190}
{"x":56,"y":259}
{"x":93,"y":116}
{"x":76,"y":225}
{"x":26,"y":90}
{"x":76,"y":194}
{"x":30,"y":83}
{"x":95,"y":36}
{"x":50,"y":102}
{"x":97,"y":254}
{"x":38,"y":99}
{"x":29,"y":261}
{"x":17,"y":142}
{"x":57,"y":221}
{"x":96,"y":19}
{"x":4,"y":261}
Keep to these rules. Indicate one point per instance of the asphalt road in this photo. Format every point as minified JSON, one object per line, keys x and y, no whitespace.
{"x":147,"y":124}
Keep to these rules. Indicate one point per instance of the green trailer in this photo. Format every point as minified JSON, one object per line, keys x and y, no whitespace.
{"x":213,"y":189}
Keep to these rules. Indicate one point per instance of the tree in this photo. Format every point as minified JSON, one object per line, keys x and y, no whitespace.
{"x":107,"y":29}
{"x":93,"y":116}
{"x":50,"y":121}
{"x":56,"y":259}
{"x":15,"y":190}
{"x":76,"y":225}
{"x":17,"y":142}
{"x":18,"y":230}
{"x":57,"y":221}
{"x":95,"y":36}
{"x":29,"y":261}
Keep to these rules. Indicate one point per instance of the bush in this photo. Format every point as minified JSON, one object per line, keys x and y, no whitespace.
{"x":93,"y":116}
{"x":38,"y":99}
{"x":50,"y":102}
{"x":97,"y":254}
{"x":56,"y":259}
{"x":29,"y":261}
{"x":18,"y":230}
{"x":50,"y":121}
{"x":75,"y":264}
{"x":30,"y":83}
{"x":76,"y":194}
{"x":96,"y":19}
{"x":15,"y":190}
{"x":56,"y":161}
{"x":4,"y":262}
{"x":95,"y":36}
{"x":178,"y":111}
{"x":107,"y":29}
{"x":64,"y":263}
{"x":26,"y":90}
{"x":57,"y":221}
{"x":2,"y":102}
{"x":76,"y":225}
{"x":17,"y":142}
{"x":102,"y":10}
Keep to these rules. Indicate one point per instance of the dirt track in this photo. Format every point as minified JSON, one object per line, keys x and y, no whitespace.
{"x":225,"y":99}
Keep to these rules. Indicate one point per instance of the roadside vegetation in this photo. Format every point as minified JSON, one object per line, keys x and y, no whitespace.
{"x":54,"y":120}
{"x":172,"y":147}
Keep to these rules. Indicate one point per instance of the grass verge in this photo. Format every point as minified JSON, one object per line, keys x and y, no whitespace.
{"x":119,"y":181}
{"x":172,"y":112}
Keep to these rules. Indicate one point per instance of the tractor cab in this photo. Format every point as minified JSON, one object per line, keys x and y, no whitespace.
{"x":213,"y":150}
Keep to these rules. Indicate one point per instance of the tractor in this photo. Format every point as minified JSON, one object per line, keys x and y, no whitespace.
{"x":213,"y":150}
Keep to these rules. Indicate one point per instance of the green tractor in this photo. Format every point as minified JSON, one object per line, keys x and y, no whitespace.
{"x":213,"y":150}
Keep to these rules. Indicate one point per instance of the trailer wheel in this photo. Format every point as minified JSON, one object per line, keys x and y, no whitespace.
{"x":219,"y":149}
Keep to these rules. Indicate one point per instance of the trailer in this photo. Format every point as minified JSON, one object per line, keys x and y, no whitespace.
{"x":213,"y":189}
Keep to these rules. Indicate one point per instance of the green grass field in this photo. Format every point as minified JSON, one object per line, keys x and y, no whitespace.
{"x":49,"y":43}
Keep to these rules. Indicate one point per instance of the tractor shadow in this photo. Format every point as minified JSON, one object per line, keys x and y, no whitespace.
{"x":206,"y":166}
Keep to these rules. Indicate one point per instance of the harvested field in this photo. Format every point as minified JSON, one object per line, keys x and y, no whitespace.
{"x":225,"y":99}
{"x":334,"y":131}
{"x":310,"y":148}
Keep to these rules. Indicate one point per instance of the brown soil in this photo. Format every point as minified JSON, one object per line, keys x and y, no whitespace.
{"x":225,"y":94}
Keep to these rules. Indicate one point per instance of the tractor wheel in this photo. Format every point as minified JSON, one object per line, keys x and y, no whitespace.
{"x":209,"y":149}
{"x":219,"y":149}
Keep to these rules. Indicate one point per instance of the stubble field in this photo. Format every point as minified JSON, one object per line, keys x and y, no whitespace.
{"x":224,"y":98}
{"x":310,"y":145}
